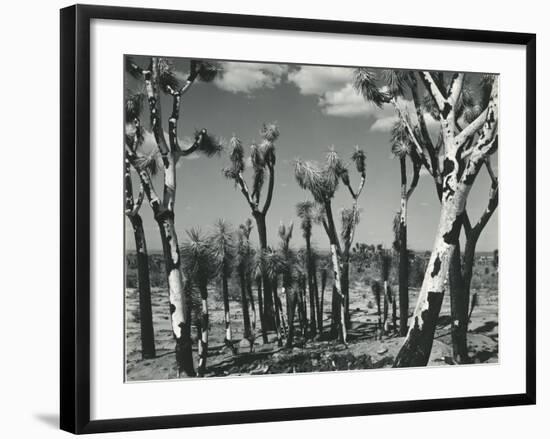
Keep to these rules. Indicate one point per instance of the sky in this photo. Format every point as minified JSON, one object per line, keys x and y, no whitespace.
{"x":316,"y":108}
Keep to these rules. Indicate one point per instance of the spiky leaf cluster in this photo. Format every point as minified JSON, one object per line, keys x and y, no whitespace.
{"x":322,"y":182}
{"x":198,"y":258}
{"x":206,"y":71}
{"x":305,"y":211}
{"x":401,"y":143}
{"x":359,"y":158}
{"x":245,"y":252}
{"x":134,"y":106}
{"x":222,"y":242}
{"x":131,"y":67}
{"x":366,"y":83}
{"x":236,"y":156}
{"x":397,"y":81}
{"x":209,"y":145}
{"x":167,"y":77}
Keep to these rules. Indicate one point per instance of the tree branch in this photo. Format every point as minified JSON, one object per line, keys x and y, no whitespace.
{"x":470,"y":130}
{"x":270,"y":186}
{"x":414,"y":181}
{"x":412,"y":135}
{"x":455,"y":88}
{"x":244,"y":189}
{"x":434,"y":90}
{"x":195,"y":146}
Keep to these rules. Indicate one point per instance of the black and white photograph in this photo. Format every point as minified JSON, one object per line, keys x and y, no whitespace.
{"x":296,"y":218}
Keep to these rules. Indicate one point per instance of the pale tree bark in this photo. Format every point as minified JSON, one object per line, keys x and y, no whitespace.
{"x":203,"y":334}
{"x":460,"y":169}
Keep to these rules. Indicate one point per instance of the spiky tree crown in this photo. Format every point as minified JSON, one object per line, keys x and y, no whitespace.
{"x":401,"y":143}
{"x":205,"y":71}
{"x":198,"y":257}
{"x":385,"y":260}
{"x":397,"y":81}
{"x":366,"y":83}
{"x":304,"y":211}
{"x":359,"y":158}
{"x":261,"y":155}
{"x":209,"y":145}
{"x":321,"y":182}
{"x":223,"y":246}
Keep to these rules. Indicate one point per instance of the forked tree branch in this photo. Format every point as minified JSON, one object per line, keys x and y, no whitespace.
{"x":434,"y":90}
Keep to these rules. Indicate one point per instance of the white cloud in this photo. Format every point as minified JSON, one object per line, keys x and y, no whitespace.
{"x":312,"y":80}
{"x":384,"y":124}
{"x":248,"y":77}
{"x":346,"y":102}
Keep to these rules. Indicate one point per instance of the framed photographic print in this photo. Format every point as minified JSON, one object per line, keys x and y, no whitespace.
{"x":273,"y":218}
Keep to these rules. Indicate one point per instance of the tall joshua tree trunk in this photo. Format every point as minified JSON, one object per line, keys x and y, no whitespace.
{"x":460,"y":279}
{"x":227,"y":314}
{"x":247,"y":332}
{"x":318,"y":311}
{"x":460,"y":170}
{"x":268,"y":310}
{"x":459,"y":308}
{"x":338,"y":299}
{"x":203,"y":332}
{"x":261,"y":308}
{"x":324,"y":275}
{"x":403,"y":254}
{"x":145,"y":310}
{"x":311,"y":287}
{"x":402,"y":239}
{"x":179,"y":301}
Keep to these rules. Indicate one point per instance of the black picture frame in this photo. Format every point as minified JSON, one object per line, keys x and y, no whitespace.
{"x":75,"y":217}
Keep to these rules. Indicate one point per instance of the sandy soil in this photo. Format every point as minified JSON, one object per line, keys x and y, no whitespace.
{"x":365,"y":351}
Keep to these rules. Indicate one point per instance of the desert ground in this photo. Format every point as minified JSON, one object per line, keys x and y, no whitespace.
{"x":366,"y":349}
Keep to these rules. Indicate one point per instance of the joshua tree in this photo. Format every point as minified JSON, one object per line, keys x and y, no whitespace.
{"x":159,"y":77}
{"x":402,"y":148}
{"x":304,"y":211}
{"x":322,"y":182}
{"x":324,"y":275}
{"x":269,"y":264}
{"x":468,"y":136}
{"x":384,"y":261}
{"x":350,"y":219}
{"x":465,"y":152}
{"x":288,"y":262}
{"x":223,"y":245}
{"x":262,"y":158}
{"x":145,"y":312}
{"x":376,"y":290}
{"x":199,"y":262}
{"x":245,"y":267}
